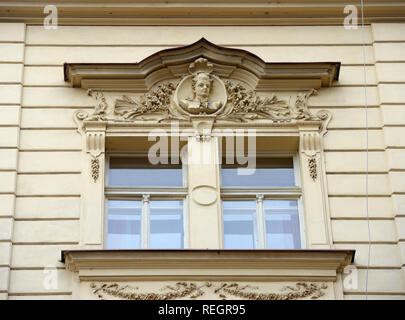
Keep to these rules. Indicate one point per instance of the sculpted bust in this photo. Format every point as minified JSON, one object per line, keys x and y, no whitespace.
{"x":201,"y":85}
{"x":201,"y":92}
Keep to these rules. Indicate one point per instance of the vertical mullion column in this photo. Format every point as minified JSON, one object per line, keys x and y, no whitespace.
{"x":145,"y":222}
{"x":260,"y":225}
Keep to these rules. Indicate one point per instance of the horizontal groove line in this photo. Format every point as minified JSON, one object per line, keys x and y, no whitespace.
{"x":390,"y":82}
{"x":353,"y":150}
{"x":265,"y":45}
{"x":5,"y":266}
{"x":352,"y":129}
{"x":356,"y":172}
{"x":46,"y":219}
{"x":11,"y":41}
{"x":374,"y":293}
{"x":388,"y":41}
{"x":390,"y":61}
{"x":343,"y":107}
{"x":6,"y":217}
{"x":363,"y":267}
{"x":22,"y":294}
{"x":46,"y":86}
{"x":44,"y":243}
{"x":365,"y":242}
{"x":358,"y":218}
{"x":61,"y":65}
{"x":35,"y":268}
{"x":10,"y":83}
{"x":47,"y":128}
{"x":392,"y":103}
{"x":49,"y":173}
{"x":56,"y":107}
{"x":9,"y":125}
{"x":47,"y":195}
{"x":394,"y":125}
{"x":8,"y":170}
{"x":359,"y":195}
{"x":50,"y":150}
{"x":3,"y":240}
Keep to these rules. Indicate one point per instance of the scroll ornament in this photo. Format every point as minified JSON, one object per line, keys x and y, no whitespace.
{"x":223,"y":291}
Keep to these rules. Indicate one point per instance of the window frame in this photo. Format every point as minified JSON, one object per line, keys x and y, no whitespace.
{"x":145,"y":195}
{"x":260,"y":194}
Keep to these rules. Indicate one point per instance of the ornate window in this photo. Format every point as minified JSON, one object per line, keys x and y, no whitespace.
{"x":196,"y":97}
{"x":207,"y":91}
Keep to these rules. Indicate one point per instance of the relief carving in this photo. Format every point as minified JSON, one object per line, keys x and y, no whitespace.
{"x":313,"y":170}
{"x":154,"y":105}
{"x":208,"y":93}
{"x":223,"y":291}
{"x":202,"y":93}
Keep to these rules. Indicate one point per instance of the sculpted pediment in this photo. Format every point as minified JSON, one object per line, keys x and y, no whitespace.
{"x":202,"y":80}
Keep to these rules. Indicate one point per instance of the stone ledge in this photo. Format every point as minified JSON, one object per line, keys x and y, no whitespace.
{"x":253,"y":265}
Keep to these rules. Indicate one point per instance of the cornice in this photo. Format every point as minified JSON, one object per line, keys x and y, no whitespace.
{"x":207,"y":264}
{"x":174,"y":63}
{"x":208,"y":12}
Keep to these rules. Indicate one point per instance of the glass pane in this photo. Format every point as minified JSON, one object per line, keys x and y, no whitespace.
{"x":138,"y":172}
{"x":124,"y":224}
{"x":166,"y":225}
{"x":269,"y":172}
{"x":239,"y":224}
{"x":282,"y":224}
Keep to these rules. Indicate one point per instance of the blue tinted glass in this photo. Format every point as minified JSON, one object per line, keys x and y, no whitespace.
{"x":282,"y":224}
{"x":259,"y":177}
{"x":239,"y":224}
{"x":124,"y":224}
{"x":139,"y":172}
{"x":166,"y":225}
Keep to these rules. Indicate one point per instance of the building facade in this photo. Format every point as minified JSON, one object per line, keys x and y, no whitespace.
{"x":165,"y":150}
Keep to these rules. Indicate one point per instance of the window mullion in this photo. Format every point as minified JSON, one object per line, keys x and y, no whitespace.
{"x":260,"y":222}
{"x":145,"y":220}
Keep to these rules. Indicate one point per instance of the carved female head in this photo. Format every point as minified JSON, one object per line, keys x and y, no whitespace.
{"x":202,"y":84}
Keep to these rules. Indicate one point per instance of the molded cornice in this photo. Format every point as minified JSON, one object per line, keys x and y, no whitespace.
{"x":208,"y":12}
{"x":207,"y":264}
{"x":228,"y":62}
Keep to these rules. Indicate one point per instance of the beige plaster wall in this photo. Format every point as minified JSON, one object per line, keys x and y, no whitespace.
{"x":40,"y":162}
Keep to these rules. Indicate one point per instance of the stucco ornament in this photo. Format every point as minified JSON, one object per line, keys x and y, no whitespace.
{"x":224,"y":290}
{"x":201,"y":92}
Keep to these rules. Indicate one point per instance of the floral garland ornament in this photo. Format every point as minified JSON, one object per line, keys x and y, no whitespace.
{"x":312,"y":166}
{"x":223,"y":291}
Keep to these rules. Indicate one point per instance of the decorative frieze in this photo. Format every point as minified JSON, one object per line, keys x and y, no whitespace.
{"x":223,"y":290}
{"x":202,"y":93}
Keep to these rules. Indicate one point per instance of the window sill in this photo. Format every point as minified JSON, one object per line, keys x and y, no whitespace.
{"x":224,"y":265}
